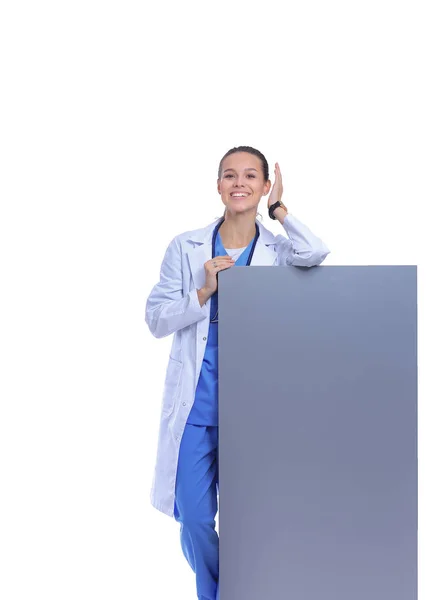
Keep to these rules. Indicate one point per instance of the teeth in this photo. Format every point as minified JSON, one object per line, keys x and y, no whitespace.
{"x":239,"y":195}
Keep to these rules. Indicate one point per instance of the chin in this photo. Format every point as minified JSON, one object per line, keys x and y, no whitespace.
{"x":242,"y":209}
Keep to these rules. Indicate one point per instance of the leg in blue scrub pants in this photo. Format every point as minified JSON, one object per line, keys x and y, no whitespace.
{"x":196,"y":505}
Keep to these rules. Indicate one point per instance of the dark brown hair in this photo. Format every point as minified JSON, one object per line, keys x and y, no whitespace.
{"x":250,"y":150}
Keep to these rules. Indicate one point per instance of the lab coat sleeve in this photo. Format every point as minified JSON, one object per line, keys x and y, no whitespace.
{"x":167,"y":308}
{"x":302,"y":248}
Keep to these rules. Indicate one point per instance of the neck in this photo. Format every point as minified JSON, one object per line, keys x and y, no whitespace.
{"x":238,"y":229}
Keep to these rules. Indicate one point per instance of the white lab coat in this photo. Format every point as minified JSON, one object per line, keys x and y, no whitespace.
{"x":173,"y":307}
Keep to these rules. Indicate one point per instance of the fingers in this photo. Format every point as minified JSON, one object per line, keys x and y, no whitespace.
{"x":222,"y":263}
{"x":220,"y":259}
{"x":223,"y":267}
{"x":219,"y":263}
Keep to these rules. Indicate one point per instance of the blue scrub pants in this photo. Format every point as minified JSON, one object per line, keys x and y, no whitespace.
{"x":196,"y":505}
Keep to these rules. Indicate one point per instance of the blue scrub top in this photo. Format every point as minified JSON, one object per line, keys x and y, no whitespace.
{"x":205,"y":408}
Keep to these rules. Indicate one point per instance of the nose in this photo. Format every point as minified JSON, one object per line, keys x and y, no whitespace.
{"x":240,"y":181}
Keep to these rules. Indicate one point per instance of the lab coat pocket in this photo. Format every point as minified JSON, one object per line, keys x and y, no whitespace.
{"x":171,"y":386}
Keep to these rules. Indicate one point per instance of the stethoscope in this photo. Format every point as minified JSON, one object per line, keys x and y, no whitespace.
{"x":215,"y":232}
{"x":249,"y":258}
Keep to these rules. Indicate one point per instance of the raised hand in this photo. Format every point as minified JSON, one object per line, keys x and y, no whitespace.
{"x":277,"y":189}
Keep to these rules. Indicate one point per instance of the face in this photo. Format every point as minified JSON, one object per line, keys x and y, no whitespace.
{"x":241,"y":182}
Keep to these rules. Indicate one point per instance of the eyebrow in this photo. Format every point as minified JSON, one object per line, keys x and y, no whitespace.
{"x":248,"y":169}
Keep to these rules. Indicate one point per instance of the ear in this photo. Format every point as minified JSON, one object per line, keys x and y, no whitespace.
{"x":267,"y":187}
{"x":218,"y":186}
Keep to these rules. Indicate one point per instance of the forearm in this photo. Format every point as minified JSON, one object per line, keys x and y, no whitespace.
{"x":302,"y":247}
{"x":165,"y":318}
{"x":203,"y":296}
{"x":280,"y":213}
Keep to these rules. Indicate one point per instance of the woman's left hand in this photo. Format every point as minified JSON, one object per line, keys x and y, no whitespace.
{"x":277,"y":189}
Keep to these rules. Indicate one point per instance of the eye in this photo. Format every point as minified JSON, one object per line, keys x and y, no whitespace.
{"x":250,"y":175}
{"x":229,"y":175}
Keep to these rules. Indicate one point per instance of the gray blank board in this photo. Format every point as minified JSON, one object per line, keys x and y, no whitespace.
{"x":318,"y":433}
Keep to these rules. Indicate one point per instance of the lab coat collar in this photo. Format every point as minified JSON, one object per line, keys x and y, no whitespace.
{"x":201,"y":250}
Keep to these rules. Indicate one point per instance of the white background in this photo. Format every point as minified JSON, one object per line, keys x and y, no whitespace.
{"x":114,"y":117}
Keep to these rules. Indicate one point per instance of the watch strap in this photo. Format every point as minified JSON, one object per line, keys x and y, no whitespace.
{"x":273,"y":208}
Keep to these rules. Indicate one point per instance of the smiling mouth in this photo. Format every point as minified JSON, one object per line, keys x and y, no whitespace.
{"x":239,"y":195}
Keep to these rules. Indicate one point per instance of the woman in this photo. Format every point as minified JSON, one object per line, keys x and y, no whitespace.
{"x":184,"y":302}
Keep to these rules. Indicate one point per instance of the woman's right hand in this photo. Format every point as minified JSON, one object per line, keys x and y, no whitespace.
{"x":212,"y":268}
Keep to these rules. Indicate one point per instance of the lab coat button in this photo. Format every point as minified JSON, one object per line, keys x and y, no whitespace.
{"x":204,"y":338}
{"x":184,"y":403}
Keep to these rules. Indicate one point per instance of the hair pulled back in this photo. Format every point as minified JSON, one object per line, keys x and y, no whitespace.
{"x":250,"y":150}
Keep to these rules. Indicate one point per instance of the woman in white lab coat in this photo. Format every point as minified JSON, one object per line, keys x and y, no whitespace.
{"x":184,"y":302}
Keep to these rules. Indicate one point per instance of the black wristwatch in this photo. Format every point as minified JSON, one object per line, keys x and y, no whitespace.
{"x":273,"y":208}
